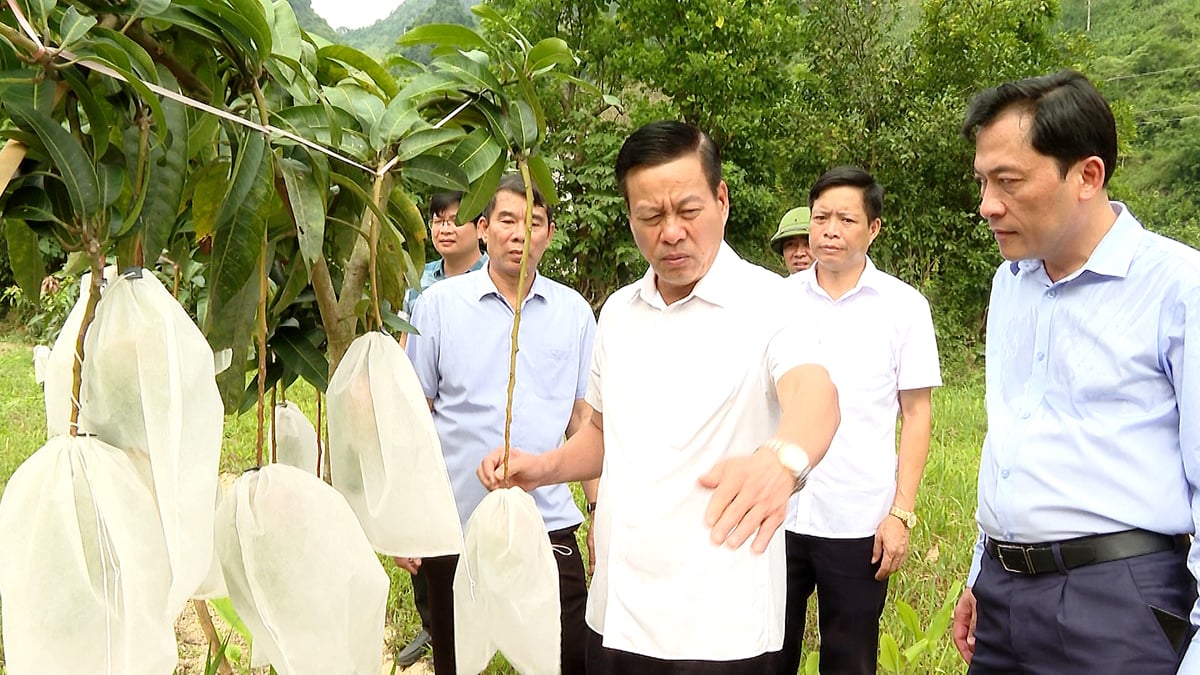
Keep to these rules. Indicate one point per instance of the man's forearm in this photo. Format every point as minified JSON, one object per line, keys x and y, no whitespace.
{"x":580,"y":458}
{"x":916,"y":425}
{"x":809,"y":412}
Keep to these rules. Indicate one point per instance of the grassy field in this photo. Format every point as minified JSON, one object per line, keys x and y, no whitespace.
{"x":940,"y":548}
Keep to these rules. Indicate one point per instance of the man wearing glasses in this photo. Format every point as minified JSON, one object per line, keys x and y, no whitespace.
{"x":456,"y":242}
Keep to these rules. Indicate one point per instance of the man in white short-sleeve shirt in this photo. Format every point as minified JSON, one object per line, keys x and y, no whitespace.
{"x":849,"y":529}
{"x":708,"y":411}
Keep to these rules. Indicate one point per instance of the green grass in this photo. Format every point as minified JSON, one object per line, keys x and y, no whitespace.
{"x":940,"y":546}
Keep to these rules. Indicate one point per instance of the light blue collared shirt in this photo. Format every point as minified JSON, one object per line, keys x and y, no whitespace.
{"x":462,"y":359}
{"x":1093,"y":395}
{"x":434,"y":272}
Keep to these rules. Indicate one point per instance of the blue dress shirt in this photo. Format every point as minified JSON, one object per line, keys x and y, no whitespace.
{"x":434,"y":272}
{"x":1093,"y":396}
{"x":461,"y":357}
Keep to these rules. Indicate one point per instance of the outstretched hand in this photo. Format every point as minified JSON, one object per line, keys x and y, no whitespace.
{"x":750,"y":494}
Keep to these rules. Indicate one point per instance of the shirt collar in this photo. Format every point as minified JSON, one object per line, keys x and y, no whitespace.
{"x":717,"y":286}
{"x":484,"y":286}
{"x":438,"y":267}
{"x":871,"y":278}
{"x":1112,"y":256}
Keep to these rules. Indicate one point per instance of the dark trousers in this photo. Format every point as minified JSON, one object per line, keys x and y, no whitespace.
{"x":849,"y":603}
{"x":1093,"y":620}
{"x":572,"y":594}
{"x":421,"y":598}
{"x":602,"y":660}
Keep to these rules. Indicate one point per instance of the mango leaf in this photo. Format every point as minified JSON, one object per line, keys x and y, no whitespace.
{"x":889,"y":653}
{"x":111,"y":56}
{"x":522,"y":124}
{"x":471,"y":72}
{"x":98,"y":123}
{"x":277,"y":374}
{"x":546,"y":54}
{"x":69,"y":157}
{"x":443,"y":34}
{"x":476,"y":153}
{"x":150,"y":7}
{"x":389,"y":264}
{"x":421,"y":142}
{"x":73,"y":27}
{"x":30,"y":203}
{"x":211,"y":183}
{"x":412,"y":226}
{"x":430,"y":83}
{"x":25,"y":258}
{"x":238,"y":239}
{"x":908,"y":617}
{"x":481,"y":191}
{"x":398,"y":119}
{"x":397,"y":324}
{"x":543,"y":179}
{"x":436,"y":172}
{"x":136,"y":58}
{"x":157,"y":219}
{"x":26,"y":88}
{"x":308,"y":207}
{"x":297,"y":281}
{"x":301,"y":357}
{"x":352,"y":57}
{"x":286,"y":41}
{"x":365,"y":106}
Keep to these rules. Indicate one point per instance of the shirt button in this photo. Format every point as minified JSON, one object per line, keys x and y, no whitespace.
{"x":1041,"y":356}
{"x":1025,"y":415}
{"x":1052,"y":292}
{"x":1004,"y":473}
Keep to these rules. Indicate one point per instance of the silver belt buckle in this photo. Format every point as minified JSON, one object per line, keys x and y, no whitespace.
{"x":1002,"y":549}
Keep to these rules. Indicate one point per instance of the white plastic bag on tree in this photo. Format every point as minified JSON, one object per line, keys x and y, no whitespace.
{"x":149,"y":387}
{"x":61,"y":362}
{"x":384,"y":453}
{"x":295,"y":438}
{"x":506,"y":588}
{"x":83,"y":566}
{"x":301,"y":574}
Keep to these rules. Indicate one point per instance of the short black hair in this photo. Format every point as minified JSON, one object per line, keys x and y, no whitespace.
{"x":851,"y":176}
{"x":513,"y":182}
{"x":442,"y":201}
{"x":1071,"y":119}
{"x":661,"y":142}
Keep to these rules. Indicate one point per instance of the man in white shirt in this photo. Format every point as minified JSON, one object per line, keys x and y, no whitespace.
{"x":708,"y":411}
{"x":849,"y":529}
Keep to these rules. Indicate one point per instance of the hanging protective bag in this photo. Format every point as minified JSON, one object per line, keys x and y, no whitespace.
{"x":295,"y":438}
{"x":61,"y":361}
{"x":506,"y":588}
{"x":301,"y":574}
{"x":384,"y":453}
{"x":84,"y":574}
{"x":149,"y":386}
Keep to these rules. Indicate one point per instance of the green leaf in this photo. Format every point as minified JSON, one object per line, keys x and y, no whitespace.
{"x":211,"y":185}
{"x":489,"y":13}
{"x":908,"y":617}
{"x":941,"y":619}
{"x":30,"y":204}
{"x":916,"y":651}
{"x":481,"y":191}
{"x":73,"y":27}
{"x":308,"y":208}
{"x":390,"y":265}
{"x":436,"y":172}
{"x":522,"y":124}
{"x":412,"y":226}
{"x":98,"y":116}
{"x":443,"y":34}
{"x":366,"y":107}
{"x":889,"y":653}
{"x":352,"y":57}
{"x":225,"y":610}
{"x":297,"y":281}
{"x":238,"y":239}
{"x":299,"y":355}
{"x":543,"y":179}
{"x":548,"y":53}
{"x":25,"y":258}
{"x":246,"y":170}
{"x":286,"y":40}
{"x":252,"y":15}
{"x":421,"y":142}
{"x":41,"y":9}
{"x":476,"y":153}
{"x":398,"y":119}
{"x":397,"y":324}
{"x":69,"y":157}
{"x":150,"y":7}
{"x":27,"y":88}
{"x":430,"y":83}
{"x":138,"y":60}
{"x":170,"y":162}
{"x":473,"y":73}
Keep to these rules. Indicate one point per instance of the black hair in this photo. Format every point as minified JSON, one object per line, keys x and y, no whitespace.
{"x":658,"y":143}
{"x":1071,"y":119}
{"x":514,"y":183}
{"x":442,"y":201}
{"x":851,"y":176}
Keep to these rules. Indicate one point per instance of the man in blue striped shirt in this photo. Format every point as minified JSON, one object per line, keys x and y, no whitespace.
{"x":1088,"y":482}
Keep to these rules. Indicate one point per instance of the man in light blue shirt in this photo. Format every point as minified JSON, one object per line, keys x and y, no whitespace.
{"x":461,"y":357}
{"x":1088,"y":482}
{"x":457,"y":243}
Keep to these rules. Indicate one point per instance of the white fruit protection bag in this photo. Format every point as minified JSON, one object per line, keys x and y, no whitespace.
{"x":506,"y":588}
{"x":149,"y":386}
{"x":295,"y":438}
{"x":301,"y":574}
{"x":384,"y":453}
{"x":61,"y":362}
{"x":84,"y":574}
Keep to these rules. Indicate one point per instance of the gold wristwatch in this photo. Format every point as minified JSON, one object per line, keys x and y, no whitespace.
{"x":907,"y":517}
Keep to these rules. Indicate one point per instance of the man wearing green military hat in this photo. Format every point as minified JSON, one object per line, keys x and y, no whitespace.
{"x":791,"y":240}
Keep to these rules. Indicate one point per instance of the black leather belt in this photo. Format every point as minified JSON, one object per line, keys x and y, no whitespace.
{"x":1040,"y":559}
